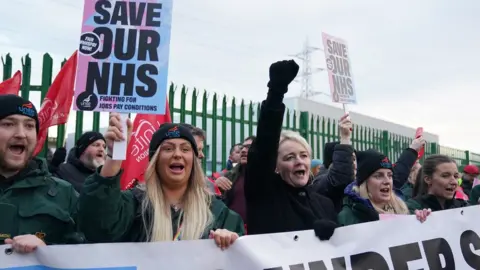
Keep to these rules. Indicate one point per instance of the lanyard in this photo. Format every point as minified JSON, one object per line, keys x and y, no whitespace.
{"x":178,"y":234}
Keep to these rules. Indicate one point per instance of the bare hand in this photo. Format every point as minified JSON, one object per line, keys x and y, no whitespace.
{"x":346,"y":127}
{"x":418,"y":143}
{"x":423,"y":214}
{"x":223,"y":238}
{"x":223,"y":183}
{"x":25,"y":243}
{"x":115,"y":130}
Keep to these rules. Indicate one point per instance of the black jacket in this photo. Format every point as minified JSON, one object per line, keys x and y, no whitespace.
{"x":430,"y":201}
{"x":333,"y":181}
{"x":73,"y":171}
{"x":402,"y":167}
{"x":467,"y":187}
{"x":273,"y":205}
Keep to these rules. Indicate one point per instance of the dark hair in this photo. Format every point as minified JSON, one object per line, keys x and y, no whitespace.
{"x":431,"y":162}
{"x":420,"y":187}
{"x":253,"y":137}
{"x":233,"y":147}
{"x":429,"y":167}
{"x":196,"y":131}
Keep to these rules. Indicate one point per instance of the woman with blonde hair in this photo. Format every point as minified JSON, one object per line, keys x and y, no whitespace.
{"x":373,"y":193}
{"x":172,"y":205}
{"x":278,"y":171}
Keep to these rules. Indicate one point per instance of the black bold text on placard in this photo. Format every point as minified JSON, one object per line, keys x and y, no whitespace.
{"x":436,"y":251}
{"x":403,"y":254}
{"x":466,"y":239}
{"x":342,"y":81}
{"x":433,"y":249}
{"x":368,"y":260}
{"x":118,"y":74}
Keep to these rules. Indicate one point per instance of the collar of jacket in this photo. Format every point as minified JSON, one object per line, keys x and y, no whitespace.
{"x":432,"y":202}
{"x":300,"y":191}
{"x":33,"y":175}
{"x":74,"y":161}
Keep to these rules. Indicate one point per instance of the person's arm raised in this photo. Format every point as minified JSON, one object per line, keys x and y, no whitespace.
{"x":262,"y":155}
{"x":406,"y":161}
{"x":105,"y":213}
{"x":114,"y":134}
{"x":341,"y":173}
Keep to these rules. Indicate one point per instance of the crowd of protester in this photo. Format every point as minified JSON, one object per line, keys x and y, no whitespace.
{"x":271,"y":183}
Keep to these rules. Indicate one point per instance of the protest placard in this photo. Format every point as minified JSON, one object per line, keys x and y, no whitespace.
{"x":340,"y":77}
{"x":447,"y":240}
{"x":123,"y":56}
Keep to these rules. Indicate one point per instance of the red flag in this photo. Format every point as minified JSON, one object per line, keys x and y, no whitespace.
{"x":58,"y":101}
{"x":137,"y":160}
{"x":12,"y":85}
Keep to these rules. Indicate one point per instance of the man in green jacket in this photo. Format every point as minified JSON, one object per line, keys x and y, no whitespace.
{"x":35,"y":208}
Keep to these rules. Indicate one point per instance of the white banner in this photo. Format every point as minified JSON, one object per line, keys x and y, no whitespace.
{"x":340,"y":76}
{"x":447,"y":240}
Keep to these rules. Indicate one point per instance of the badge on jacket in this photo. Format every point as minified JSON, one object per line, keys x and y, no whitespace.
{"x":40,"y":235}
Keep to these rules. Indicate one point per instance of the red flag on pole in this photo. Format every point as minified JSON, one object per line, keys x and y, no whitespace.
{"x":137,"y":150}
{"x":11,"y":86}
{"x":58,"y":101}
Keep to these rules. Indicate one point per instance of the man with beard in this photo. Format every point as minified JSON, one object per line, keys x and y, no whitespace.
{"x":35,"y":208}
{"x":84,"y":158}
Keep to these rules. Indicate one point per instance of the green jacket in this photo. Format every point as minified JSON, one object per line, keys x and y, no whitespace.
{"x":474,"y":195}
{"x":34,"y":202}
{"x":108,"y":214}
{"x":355,"y":209}
{"x":430,"y":201}
{"x":407,"y":190}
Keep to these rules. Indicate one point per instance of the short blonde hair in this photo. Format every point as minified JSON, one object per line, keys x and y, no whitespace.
{"x":288,"y":135}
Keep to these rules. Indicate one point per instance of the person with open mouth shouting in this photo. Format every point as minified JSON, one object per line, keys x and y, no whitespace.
{"x":172,"y":205}
{"x":36,"y":209}
{"x":373,"y":192}
{"x":439,"y":174}
{"x":278,"y":171}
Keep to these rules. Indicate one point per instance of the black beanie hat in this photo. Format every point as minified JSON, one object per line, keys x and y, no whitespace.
{"x":328,"y":153}
{"x":171,"y":131}
{"x":13,"y":104}
{"x":369,"y":162}
{"x":85,"y":140}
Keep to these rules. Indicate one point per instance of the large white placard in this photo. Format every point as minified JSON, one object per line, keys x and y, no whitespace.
{"x":339,"y":68}
{"x":447,"y":240}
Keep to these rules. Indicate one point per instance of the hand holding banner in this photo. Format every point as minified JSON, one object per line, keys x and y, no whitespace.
{"x":446,"y":240}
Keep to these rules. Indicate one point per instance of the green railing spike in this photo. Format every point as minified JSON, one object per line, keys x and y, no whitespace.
{"x":237,"y":116}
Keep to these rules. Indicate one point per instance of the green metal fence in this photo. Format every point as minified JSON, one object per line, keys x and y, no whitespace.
{"x":228,"y":121}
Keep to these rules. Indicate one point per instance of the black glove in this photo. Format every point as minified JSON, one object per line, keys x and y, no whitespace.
{"x":324,"y":228}
{"x":282,"y":74}
{"x":59,"y":157}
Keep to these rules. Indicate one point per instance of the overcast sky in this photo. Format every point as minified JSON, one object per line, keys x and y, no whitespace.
{"x":414,"y":62}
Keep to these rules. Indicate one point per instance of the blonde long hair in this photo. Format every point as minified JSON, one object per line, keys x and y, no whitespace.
{"x":395,"y":206}
{"x":197,"y":216}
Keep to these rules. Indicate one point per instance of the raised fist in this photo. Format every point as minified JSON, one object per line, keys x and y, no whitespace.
{"x":282,"y":74}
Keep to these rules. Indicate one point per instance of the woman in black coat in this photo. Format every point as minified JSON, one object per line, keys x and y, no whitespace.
{"x":278,"y":171}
